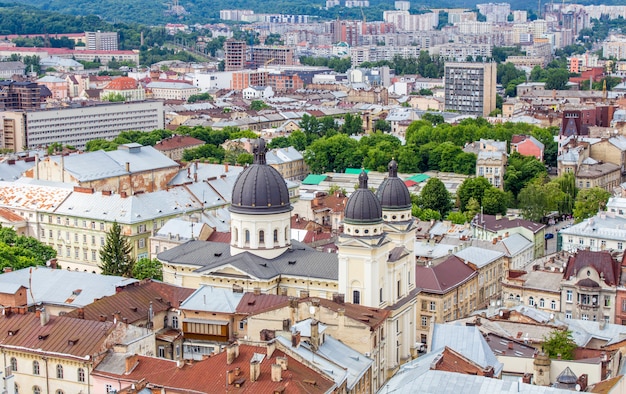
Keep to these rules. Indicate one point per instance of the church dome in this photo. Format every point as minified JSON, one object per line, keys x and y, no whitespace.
{"x":260,"y":189}
{"x":363,"y":206}
{"x":393,"y":193}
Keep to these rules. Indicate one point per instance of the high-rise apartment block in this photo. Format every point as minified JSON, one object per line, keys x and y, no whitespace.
{"x":19,"y":95}
{"x":234,"y":55}
{"x":101,"y":40}
{"x":470,"y":88}
{"x":75,"y":126}
{"x":262,"y":55}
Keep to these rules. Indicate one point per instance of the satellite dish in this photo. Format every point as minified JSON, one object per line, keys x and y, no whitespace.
{"x":312,"y":310}
{"x":551,"y":316}
{"x":501,"y":313}
{"x":578,"y":387}
{"x":498,"y":302}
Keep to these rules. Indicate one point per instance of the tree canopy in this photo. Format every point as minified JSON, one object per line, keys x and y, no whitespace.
{"x":559,"y":343}
{"x":19,"y":251}
{"x":589,"y":202}
{"x":115,"y":255}
{"x":435,"y":196}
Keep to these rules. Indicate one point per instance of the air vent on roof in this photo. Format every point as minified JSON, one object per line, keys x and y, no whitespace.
{"x":217,"y":254}
{"x":263,"y":264}
{"x":72,"y":342}
{"x":13,"y":332}
{"x":77,"y":292}
{"x":43,"y":337}
{"x":292,"y":262}
{"x":133,"y":308}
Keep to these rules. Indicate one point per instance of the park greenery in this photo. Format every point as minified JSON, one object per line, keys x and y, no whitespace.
{"x":19,"y":251}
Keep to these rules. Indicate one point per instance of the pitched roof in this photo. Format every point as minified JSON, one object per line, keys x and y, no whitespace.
{"x":26,"y":332}
{"x":478,"y":256}
{"x":210,"y":375}
{"x":252,"y":303}
{"x":63,"y":287}
{"x":122,"y":83}
{"x":212,"y":299}
{"x":602,"y":262}
{"x":212,"y":256}
{"x":133,"y":302}
{"x":494,"y":223}
{"x":444,"y":276}
{"x":176,"y":142}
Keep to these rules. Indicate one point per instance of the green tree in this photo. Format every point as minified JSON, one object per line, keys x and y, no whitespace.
{"x":457,"y":217}
{"x":495,"y":201}
{"x":245,"y":158}
{"x":115,"y":255}
{"x":472,"y":188}
{"x":435,"y":196}
{"x":353,"y":124}
{"x":113,"y":97}
{"x":199,"y":97}
{"x":257,"y":105}
{"x":19,"y":251}
{"x":557,"y":79}
{"x":520,"y":171}
{"x":333,"y":154}
{"x":382,"y":125}
{"x":559,"y":343}
{"x":589,"y":202}
{"x":148,"y":269}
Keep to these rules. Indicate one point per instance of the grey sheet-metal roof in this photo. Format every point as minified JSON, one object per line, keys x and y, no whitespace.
{"x":11,"y":172}
{"x":468,"y":341}
{"x":90,"y":166}
{"x":433,"y":251}
{"x":185,"y":229}
{"x":58,"y":286}
{"x":585,"y":330}
{"x":283,"y":155}
{"x":219,"y":219}
{"x":355,"y":363}
{"x":605,"y":226}
{"x":205,"y":171}
{"x":133,"y":209}
{"x":478,"y":256}
{"x":212,"y":299}
{"x":299,"y":260}
{"x":516,"y":243}
{"x":437,"y":382}
{"x":143,"y":158}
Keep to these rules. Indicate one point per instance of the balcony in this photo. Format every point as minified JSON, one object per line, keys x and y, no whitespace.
{"x":588,"y":307}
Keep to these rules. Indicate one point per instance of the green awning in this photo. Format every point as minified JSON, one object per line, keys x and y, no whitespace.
{"x":313,"y":179}
{"x":418,"y":178}
{"x":355,"y":171}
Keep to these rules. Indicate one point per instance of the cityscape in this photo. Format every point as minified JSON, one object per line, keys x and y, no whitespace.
{"x":340,"y":197}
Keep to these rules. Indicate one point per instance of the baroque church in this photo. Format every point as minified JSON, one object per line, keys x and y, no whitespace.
{"x":374,"y":265}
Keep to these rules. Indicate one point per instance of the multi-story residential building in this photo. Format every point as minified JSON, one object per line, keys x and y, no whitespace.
{"x":101,"y":40}
{"x":125,"y":87}
{"x":449,"y":291}
{"x":56,"y":85}
{"x":172,"y":90}
{"x":19,"y":95}
{"x":288,"y":162}
{"x":78,"y":54}
{"x":244,"y":79}
{"x":56,"y":354}
{"x":604,"y":231}
{"x":9,"y":69}
{"x":589,"y":286}
{"x":264,"y":55}
{"x":592,"y":173}
{"x":173,"y":147}
{"x":496,"y":13}
{"x":538,"y":288}
{"x":614,"y":47}
{"x":234,"y":55}
{"x":470,"y":88}
{"x":491,"y":165}
{"x":527,"y":145}
{"x":492,"y":227}
{"x":490,"y":265}
{"x":75,"y":125}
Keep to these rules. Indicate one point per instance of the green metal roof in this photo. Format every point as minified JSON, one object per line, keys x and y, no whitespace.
{"x":314,"y":179}
{"x":418,"y":178}
{"x":356,"y":171}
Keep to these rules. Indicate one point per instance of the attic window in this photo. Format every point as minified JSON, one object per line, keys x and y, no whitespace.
{"x":217,"y":254}
{"x":292,"y":262}
{"x":252,"y":302}
{"x":13,"y":332}
{"x":43,"y":337}
{"x":72,"y":342}
{"x":77,"y":292}
{"x":133,"y":308}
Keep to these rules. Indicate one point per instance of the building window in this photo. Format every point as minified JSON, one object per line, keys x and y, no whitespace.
{"x":174,"y":321}
{"x":247,"y":236}
{"x":603,"y":244}
{"x":261,"y":237}
{"x":568,"y":314}
{"x":241,"y":325}
{"x":569,"y":296}
{"x":275,"y":235}
{"x":162,"y":351}
{"x":380,"y":294}
{"x":542,"y":303}
{"x":59,"y":371}
{"x":13,"y":364}
{"x":36,"y":390}
{"x":81,"y":375}
{"x":141,"y":243}
{"x":58,"y":392}
{"x":584,"y":317}
{"x":35,"y":367}
{"x":620,"y":246}
{"x":108,"y":388}
{"x":424,"y":321}
{"x":531,"y":301}
{"x":553,"y":305}
{"x":356,"y":297}
{"x":607,"y":301}
{"x":433,"y":306}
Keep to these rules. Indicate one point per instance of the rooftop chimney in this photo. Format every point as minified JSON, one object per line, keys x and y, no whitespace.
{"x":44,"y":317}
{"x":295,"y":339}
{"x":232,"y":351}
{"x":255,"y":370}
{"x":271,"y":346}
{"x":131,"y":363}
{"x":277,"y":373}
{"x":282,"y":361}
{"x":315,"y":335}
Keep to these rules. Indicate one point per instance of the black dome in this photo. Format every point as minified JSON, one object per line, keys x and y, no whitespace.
{"x":393,"y":193}
{"x":363,"y":206}
{"x":260,"y":189}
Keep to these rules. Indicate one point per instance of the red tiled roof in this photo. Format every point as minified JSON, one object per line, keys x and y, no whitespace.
{"x":122,"y":83}
{"x":256,"y":303}
{"x":602,"y":262}
{"x":372,"y":317}
{"x":10,"y":215}
{"x":444,"y":276}
{"x":210,"y":375}
{"x":133,"y":301}
{"x":313,"y":236}
{"x":25,"y":331}
{"x":176,"y":142}
{"x":216,"y":236}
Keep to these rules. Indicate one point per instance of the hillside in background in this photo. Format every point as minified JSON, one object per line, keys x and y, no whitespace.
{"x":157,"y":12}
